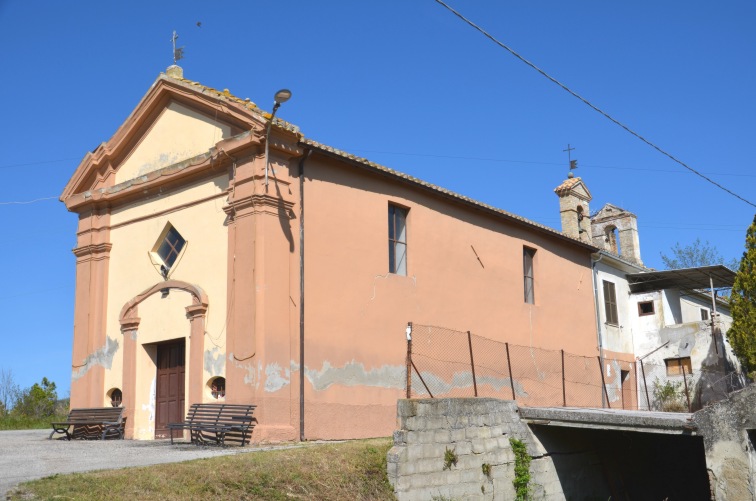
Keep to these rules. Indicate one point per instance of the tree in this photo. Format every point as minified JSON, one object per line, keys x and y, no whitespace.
{"x":37,"y":401}
{"x":742,"y":334}
{"x":8,"y":391}
{"x":695,"y":255}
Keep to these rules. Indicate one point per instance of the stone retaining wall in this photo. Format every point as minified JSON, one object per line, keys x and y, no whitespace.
{"x":476,"y":432}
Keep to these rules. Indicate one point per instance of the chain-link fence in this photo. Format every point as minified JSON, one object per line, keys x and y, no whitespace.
{"x":449,"y":363}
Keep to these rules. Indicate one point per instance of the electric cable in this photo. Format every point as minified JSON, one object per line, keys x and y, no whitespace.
{"x":28,"y":201}
{"x":532,"y":162}
{"x":589,"y":104}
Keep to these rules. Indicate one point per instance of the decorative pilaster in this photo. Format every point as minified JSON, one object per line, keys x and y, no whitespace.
{"x":196,"y":315}
{"x":262,"y":258}
{"x":92,"y":264}
{"x":129,"y":329}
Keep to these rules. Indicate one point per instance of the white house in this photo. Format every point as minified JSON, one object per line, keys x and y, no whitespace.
{"x":667,"y":319}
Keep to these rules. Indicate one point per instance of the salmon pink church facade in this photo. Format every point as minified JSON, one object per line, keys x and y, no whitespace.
{"x":204,"y":272}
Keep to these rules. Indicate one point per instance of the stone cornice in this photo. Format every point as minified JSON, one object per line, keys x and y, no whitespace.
{"x":92,"y":249}
{"x":258,"y":204}
{"x":221,"y":156}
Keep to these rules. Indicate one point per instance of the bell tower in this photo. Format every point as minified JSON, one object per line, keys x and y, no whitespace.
{"x":573,"y":208}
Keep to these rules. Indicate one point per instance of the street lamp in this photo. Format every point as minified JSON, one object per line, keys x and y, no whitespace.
{"x":281,"y":96}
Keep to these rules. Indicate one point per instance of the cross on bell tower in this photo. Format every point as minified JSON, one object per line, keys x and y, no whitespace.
{"x":573,"y":163}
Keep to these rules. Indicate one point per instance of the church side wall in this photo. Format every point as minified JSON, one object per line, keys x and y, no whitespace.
{"x":464,"y":272}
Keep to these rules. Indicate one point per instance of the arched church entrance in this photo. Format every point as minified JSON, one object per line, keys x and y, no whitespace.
{"x":162,"y":367}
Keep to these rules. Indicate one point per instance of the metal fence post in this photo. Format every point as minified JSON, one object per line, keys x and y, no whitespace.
{"x":509,"y":366}
{"x":409,"y":359}
{"x":635,"y":382}
{"x":685,"y":380}
{"x":472,"y":362}
{"x":564,"y":388}
{"x":645,"y":385}
{"x":603,"y":382}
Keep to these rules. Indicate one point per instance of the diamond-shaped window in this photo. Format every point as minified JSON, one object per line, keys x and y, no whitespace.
{"x":169,"y":246}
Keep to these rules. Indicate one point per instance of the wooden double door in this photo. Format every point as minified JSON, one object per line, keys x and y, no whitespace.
{"x":169,"y":391}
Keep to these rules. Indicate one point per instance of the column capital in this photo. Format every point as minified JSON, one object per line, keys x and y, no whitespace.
{"x":196,"y":311}
{"x":130,"y":324}
{"x":92,"y":252}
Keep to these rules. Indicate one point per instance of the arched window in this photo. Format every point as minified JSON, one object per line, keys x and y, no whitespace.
{"x":612,"y":237}
{"x":218,"y":387}
{"x":116,"y":397}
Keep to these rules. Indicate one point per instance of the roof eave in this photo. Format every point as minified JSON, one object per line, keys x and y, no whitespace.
{"x":441,"y":192}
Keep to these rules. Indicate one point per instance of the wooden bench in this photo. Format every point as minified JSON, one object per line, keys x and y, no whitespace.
{"x":98,"y":422}
{"x":217,"y":423}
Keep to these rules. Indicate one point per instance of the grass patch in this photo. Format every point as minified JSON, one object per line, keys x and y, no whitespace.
{"x":11,"y":422}
{"x":353,"y":470}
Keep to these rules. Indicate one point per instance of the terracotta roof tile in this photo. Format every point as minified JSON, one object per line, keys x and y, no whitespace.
{"x":226,"y":95}
{"x":566,"y":186}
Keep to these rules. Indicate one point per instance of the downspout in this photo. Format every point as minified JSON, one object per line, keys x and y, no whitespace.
{"x":594,"y":276}
{"x":301,"y":297}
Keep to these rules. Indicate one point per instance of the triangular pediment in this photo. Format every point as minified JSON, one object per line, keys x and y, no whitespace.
{"x":609,"y":211}
{"x":175,"y":121}
{"x":179,"y":133}
{"x":581,"y":191}
{"x":575,"y":187}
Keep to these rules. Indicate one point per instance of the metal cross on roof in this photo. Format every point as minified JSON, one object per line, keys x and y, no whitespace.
{"x":178,"y":52}
{"x":568,"y":150}
{"x":573,"y":163}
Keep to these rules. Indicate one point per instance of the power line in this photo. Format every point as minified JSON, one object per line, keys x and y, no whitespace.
{"x":532,"y":162}
{"x":8,"y":166}
{"x":29,"y":201}
{"x":588,"y":103}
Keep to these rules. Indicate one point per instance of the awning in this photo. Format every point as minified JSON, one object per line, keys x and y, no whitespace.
{"x":686,"y":278}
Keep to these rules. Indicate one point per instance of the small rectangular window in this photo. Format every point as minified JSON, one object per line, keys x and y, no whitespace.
{"x":675,"y":366}
{"x":704,"y":314}
{"x":645,"y":308}
{"x":527,"y":270}
{"x":610,"y":303}
{"x":397,"y":219}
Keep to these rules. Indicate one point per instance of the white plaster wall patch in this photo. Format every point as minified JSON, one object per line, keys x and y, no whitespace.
{"x":276,"y":377}
{"x":354,"y":374}
{"x":215,"y":364}
{"x":463,"y":380}
{"x":252,"y":377}
{"x":102,"y":357}
{"x":151,"y":405}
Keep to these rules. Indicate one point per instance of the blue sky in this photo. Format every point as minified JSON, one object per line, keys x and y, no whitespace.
{"x":403,"y":83}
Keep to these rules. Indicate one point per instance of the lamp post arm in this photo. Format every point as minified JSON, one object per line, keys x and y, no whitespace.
{"x":267,"y":141}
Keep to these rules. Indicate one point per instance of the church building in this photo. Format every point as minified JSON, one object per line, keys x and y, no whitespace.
{"x":224,"y":256}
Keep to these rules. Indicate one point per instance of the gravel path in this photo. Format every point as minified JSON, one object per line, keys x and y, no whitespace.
{"x":28,"y":454}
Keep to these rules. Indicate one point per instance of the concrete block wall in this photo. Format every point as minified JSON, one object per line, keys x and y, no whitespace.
{"x":477,"y":431}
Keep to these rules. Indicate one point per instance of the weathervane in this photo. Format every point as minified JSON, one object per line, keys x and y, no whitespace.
{"x":178,"y":52}
{"x":573,"y":163}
